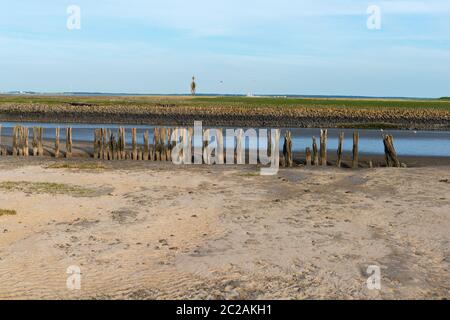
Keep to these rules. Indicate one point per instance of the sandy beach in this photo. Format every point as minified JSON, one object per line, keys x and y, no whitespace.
{"x":143,"y":230}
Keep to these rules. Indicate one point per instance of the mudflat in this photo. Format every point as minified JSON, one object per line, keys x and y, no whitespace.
{"x":143,"y":230}
{"x":431,"y":114}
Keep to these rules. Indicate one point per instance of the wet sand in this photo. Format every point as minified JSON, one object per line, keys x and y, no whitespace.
{"x":82,"y":151}
{"x":156,"y":231}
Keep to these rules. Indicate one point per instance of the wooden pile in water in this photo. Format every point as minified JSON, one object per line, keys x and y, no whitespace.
{"x":111,"y":145}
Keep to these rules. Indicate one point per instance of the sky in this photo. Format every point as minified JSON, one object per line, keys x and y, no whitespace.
{"x":316,"y":47}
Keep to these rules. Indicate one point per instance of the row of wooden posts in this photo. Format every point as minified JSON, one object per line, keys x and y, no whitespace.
{"x":318,"y":157}
{"x":21,"y":147}
{"x":111,"y":146}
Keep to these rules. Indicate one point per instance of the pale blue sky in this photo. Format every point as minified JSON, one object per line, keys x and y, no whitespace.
{"x":265,"y":47}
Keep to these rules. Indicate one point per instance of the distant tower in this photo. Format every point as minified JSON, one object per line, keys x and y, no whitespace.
{"x":193,"y":86}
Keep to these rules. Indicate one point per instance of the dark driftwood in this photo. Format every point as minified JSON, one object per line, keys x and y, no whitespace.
{"x":40,"y":141}
{"x":287,"y":149}
{"x":355,"y":162}
{"x":146,"y":152}
{"x":340,"y":150}
{"x":68,"y":142}
{"x":308,"y":156}
{"x":134,"y":153}
{"x":35,"y":143}
{"x":97,"y":142}
{"x":315,"y":152}
{"x":3,"y":151}
{"x":156,"y":145}
{"x":390,"y":153}
{"x":57,"y":133}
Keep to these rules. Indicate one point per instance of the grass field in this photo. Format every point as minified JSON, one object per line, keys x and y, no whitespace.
{"x":443,"y":103}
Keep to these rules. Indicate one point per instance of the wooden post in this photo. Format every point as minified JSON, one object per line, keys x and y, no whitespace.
{"x":269,"y":143}
{"x":100,"y":144}
{"x":155,"y":144}
{"x":35,"y":143}
{"x":2,"y":149}
{"x":68,"y":142}
{"x":190,"y":139}
{"x":95,"y":152}
{"x":206,"y":158}
{"x":390,"y":152}
{"x":20,"y":141}
{"x":146,"y":152}
{"x":308,"y":157}
{"x":169,"y":145}
{"x":340,"y":149}
{"x":355,"y":162}
{"x":26,"y":151}
{"x":112,"y":146}
{"x":40,"y":141}
{"x":157,"y":139}
{"x":121,"y":144}
{"x":105,"y":144}
{"x":163,"y":144}
{"x":134,"y":144}
{"x":315,"y":152}
{"x":57,"y":133}
{"x":287,"y":149}
{"x":14,"y":141}
{"x":323,"y":147}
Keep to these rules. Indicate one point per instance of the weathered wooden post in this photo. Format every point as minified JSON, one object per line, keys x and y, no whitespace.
{"x":308,"y":157}
{"x":112,"y":143}
{"x":163,"y":144}
{"x":287,"y":149}
{"x":340,"y":149}
{"x":40,"y":141}
{"x":68,"y":142}
{"x":315,"y":152}
{"x":2,"y":149}
{"x":57,"y":133}
{"x":14,"y":141}
{"x":323,"y":147}
{"x":105,"y":144}
{"x":26,"y":151}
{"x":156,"y":149}
{"x":96,"y":144}
{"x":390,"y":153}
{"x":146,"y":152}
{"x":355,"y":162}
{"x":190,"y":140}
{"x":240,"y":147}
{"x":35,"y":143}
{"x":120,"y":143}
{"x":101,"y":146}
{"x":169,"y":145}
{"x":206,"y":157}
{"x":1,"y":146}
{"x":219,"y":155}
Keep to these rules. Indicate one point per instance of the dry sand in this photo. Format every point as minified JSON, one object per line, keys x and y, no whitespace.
{"x":155,"y":231}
